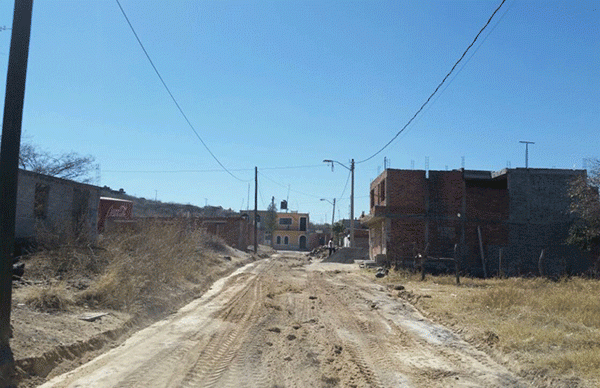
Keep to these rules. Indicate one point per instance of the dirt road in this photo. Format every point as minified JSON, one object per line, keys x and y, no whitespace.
{"x":283,"y":322}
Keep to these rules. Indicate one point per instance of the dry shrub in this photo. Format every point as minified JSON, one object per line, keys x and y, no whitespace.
{"x":53,"y":235}
{"x":64,"y":262}
{"x":49,"y":298}
{"x":149,"y":262}
{"x":211,"y":242}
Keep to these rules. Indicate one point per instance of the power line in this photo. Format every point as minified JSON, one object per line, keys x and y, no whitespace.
{"x":172,"y":171}
{"x":346,"y":185}
{"x":173,"y":97}
{"x":470,"y":57}
{"x":293,"y":167}
{"x":436,"y":89}
{"x":213,"y":170}
{"x":287,"y":186}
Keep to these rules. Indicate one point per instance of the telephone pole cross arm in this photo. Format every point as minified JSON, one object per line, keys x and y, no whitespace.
{"x":526,"y":151}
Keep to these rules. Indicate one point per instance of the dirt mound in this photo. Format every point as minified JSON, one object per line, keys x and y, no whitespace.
{"x":347,"y":255}
{"x":320,"y":252}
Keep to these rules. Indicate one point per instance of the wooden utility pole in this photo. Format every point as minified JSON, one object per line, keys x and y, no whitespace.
{"x":9,"y":169}
{"x":255,"y":209}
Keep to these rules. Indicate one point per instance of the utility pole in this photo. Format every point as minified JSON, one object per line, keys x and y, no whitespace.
{"x":352,"y":206}
{"x":526,"y":151}
{"x":351,"y":168}
{"x":9,"y":169}
{"x":333,"y":213}
{"x":255,"y":209}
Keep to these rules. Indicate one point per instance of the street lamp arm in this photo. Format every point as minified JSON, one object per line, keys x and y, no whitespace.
{"x":351,"y":169}
{"x":335,"y":161}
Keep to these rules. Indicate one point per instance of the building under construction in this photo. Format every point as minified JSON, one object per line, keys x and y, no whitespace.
{"x":496,"y":220}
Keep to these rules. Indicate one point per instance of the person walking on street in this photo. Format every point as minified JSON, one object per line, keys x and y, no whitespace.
{"x":331,"y":247}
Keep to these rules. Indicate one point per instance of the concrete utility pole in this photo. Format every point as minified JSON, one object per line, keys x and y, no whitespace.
{"x":255,"y":209}
{"x":351,"y":168}
{"x":333,"y":213}
{"x":526,"y":151}
{"x":9,"y":169}
{"x":352,"y":205}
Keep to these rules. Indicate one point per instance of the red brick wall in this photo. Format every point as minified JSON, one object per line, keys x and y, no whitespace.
{"x":404,"y":236}
{"x":406,"y":190}
{"x":487,"y":206}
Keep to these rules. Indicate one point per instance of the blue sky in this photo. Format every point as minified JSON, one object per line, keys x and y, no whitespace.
{"x":284,"y":84}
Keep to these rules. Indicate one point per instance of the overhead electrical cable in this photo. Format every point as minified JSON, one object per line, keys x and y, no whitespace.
{"x":173,"y":97}
{"x":346,"y":185}
{"x":470,"y":56}
{"x":293,"y":167}
{"x":214,"y":170}
{"x":436,"y":89}
{"x":287,"y":186}
{"x":172,"y":171}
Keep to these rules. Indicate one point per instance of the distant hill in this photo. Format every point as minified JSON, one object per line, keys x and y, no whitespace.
{"x":143,"y":207}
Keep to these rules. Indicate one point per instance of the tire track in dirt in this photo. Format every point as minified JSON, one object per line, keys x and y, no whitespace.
{"x":369,"y":353}
{"x":240,"y":314}
{"x":283,"y":323}
{"x":170,"y":347}
{"x":440,"y":357}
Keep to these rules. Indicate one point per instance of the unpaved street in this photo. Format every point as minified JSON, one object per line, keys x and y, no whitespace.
{"x":283,"y":322}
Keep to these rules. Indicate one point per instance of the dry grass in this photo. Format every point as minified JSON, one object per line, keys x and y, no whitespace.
{"x":546,"y":327}
{"x":147,"y":264}
{"x":51,"y":298}
{"x":136,"y":270}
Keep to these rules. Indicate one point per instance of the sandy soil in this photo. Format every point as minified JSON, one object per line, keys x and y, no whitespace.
{"x":284,"y":322}
{"x":46,"y":344}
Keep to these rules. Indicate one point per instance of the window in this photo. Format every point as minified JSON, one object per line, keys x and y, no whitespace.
{"x":40,"y":201}
{"x":278,"y":240}
{"x":382,"y":191}
{"x":285,"y":221}
{"x":373,"y":198}
{"x":303,"y":224}
{"x":286,"y":240}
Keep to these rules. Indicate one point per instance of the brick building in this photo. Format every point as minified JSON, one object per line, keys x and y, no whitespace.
{"x":234,"y":230}
{"x":520,"y":211}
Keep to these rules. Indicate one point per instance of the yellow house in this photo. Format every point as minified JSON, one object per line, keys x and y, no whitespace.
{"x":291,"y":232}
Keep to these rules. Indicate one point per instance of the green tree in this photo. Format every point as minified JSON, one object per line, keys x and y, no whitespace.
{"x":338,"y":229}
{"x":585,"y":205}
{"x":270,"y":220}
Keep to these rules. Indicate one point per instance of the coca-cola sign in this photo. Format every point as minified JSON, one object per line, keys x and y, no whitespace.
{"x":117,"y":212}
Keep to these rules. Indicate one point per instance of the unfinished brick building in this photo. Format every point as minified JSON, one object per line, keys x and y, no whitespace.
{"x":520,"y":211}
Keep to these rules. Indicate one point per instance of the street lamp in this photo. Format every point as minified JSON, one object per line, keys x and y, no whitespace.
{"x":332,"y":214}
{"x":351,"y":168}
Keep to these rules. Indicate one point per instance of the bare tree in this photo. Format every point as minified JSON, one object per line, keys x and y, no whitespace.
{"x":68,"y":166}
{"x":585,"y":204}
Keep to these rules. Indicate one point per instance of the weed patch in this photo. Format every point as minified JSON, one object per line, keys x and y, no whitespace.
{"x":51,"y":298}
